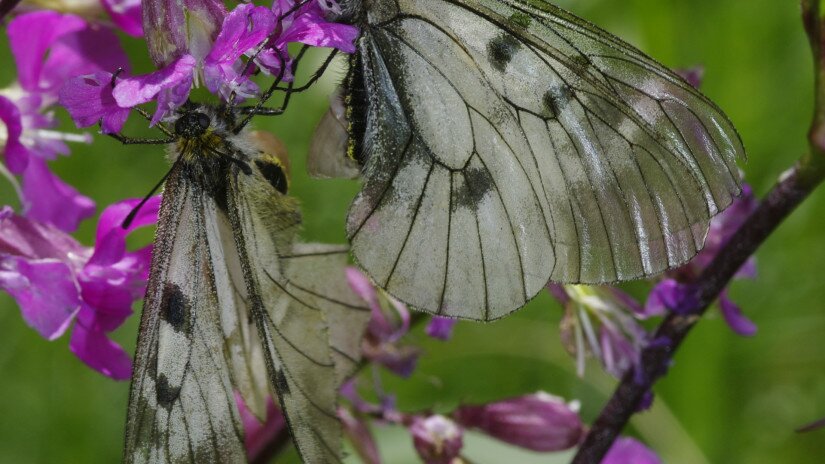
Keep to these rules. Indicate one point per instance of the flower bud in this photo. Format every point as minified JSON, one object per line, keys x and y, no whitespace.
{"x":539,"y":422}
{"x":441,"y":328}
{"x":437,"y":439}
{"x":176,"y":27}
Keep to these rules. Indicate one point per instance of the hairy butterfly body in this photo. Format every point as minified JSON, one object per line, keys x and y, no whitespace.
{"x":505,"y":143}
{"x":236,"y":309}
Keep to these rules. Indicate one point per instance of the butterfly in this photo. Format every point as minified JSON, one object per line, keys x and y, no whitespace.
{"x":235,"y":306}
{"x":507,"y":143}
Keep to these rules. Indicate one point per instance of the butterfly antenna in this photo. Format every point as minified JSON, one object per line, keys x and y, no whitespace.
{"x":132,"y":214}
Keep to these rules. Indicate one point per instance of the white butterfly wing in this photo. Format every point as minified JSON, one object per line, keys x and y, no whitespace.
{"x":182,"y":403}
{"x":506,"y":145}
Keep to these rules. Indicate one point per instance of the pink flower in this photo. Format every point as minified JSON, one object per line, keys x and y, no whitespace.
{"x":170,"y":86}
{"x":630,"y":451}
{"x":48,"y":49}
{"x":193,"y":38}
{"x":55,"y":281}
{"x":360,"y":436}
{"x":308,"y":25}
{"x":244,"y":28}
{"x":388,"y":324}
{"x":441,"y":327}
{"x":437,"y":439}
{"x":603,"y":322}
{"x":126,"y":14}
{"x":539,"y":422}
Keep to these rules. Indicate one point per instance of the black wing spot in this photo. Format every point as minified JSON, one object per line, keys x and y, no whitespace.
{"x":502,"y":49}
{"x":469,"y":194}
{"x":274,"y":174}
{"x":556,"y":99}
{"x":175,"y":308}
{"x":165,"y":393}
{"x":281,"y":383}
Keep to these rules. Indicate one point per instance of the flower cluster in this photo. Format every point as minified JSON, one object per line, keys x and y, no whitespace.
{"x":205,"y":44}
{"x":56,"y":280}
{"x":67,"y":46}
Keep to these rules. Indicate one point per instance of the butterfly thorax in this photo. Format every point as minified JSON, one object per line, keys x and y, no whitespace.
{"x":206,"y":151}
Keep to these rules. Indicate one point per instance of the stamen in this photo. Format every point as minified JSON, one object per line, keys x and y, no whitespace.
{"x":65,"y":136}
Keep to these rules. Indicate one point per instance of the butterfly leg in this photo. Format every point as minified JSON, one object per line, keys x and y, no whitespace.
{"x":260,"y":110}
{"x":140,"y":141}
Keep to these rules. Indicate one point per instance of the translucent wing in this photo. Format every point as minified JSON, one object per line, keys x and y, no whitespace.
{"x":316,"y":278}
{"x":291,"y":315}
{"x":182,"y":404}
{"x":509,"y":143}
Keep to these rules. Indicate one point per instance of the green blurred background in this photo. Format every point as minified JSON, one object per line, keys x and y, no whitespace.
{"x":727,"y":399}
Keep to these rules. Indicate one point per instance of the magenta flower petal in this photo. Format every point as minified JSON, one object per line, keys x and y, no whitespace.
{"x":28,"y":239}
{"x":45,"y":290}
{"x":50,"y":48}
{"x":379,"y":325}
{"x":126,"y":15}
{"x":31,"y":35}
{"x":17,"y":156}
{"x":312,"y":30}
{"x":539,"y":422}
{"x":89,"y":100}
{"x":110,"y":242}
{"x":88,"y":51}
{"x":618,"y":353}
{"x":672,"y":295}
{"x":51,"y":200}
{"x":91,"y":345}
{"x":734,"y":317}
{"x":244,"y":28}
{"x":170,"y":85}
{"x":259,"y":435}
{"x":441,"y":327}
{"x":629,"y":451}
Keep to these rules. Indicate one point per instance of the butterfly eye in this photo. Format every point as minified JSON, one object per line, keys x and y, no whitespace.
{"x":192,"y":124}
{"x":203,"y":121}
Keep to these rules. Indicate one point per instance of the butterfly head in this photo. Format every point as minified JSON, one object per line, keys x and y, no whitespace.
{"x":192,"y":124}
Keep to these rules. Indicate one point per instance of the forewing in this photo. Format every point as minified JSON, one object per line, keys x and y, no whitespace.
{"x":508,"y":144}
{"x":181,"y":404}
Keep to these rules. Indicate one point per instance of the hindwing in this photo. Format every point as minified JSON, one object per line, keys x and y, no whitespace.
{"x":507,"y":143}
